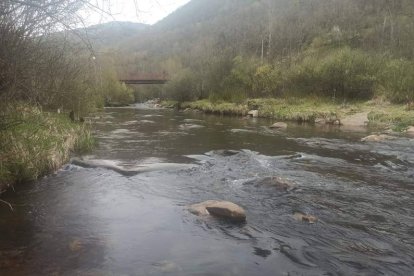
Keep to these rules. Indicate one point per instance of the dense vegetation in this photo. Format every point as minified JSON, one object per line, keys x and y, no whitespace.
{"x":236,"y":49}
{"x":43,"y":69}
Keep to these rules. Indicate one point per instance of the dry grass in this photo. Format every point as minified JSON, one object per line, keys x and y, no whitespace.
{"x":34,"y":143}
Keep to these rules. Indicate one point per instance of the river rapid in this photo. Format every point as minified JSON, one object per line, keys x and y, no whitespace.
{"x":95,"y":221}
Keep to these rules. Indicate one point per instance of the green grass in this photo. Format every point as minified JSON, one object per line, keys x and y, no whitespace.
{"x":382,"y":114}
{"x":222,"y":108}
{"x":292,"y":109}
{"x":398,"y":117}
{"x":34,"y":143}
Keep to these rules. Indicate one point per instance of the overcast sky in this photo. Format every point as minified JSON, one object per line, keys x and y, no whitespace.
{"x":144,"y":11}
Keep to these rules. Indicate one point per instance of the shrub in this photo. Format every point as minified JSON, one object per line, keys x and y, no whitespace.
{"x":342,"y":73}
{"x":183,"y":86}
{"x":397,"y":77}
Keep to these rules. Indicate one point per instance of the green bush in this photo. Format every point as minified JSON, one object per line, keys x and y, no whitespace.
{"x":114,"y":91}
{"x":343,"y":73}
{"x":397,"y":78}
{"x":267,"y":81}
{"x":183,"y":86}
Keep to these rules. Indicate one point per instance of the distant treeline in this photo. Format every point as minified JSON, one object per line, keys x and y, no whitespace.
{"x":237,"y":49}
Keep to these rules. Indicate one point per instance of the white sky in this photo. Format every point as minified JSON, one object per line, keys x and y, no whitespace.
{"x":143,"y":11}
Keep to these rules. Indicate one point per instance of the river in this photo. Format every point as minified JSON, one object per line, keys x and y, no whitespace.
{"x":94,"y":221}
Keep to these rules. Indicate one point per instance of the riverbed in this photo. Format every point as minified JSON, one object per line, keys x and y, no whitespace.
{"x":95,"y":221}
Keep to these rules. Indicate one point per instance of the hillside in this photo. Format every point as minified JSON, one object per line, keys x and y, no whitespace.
{"x":233,"y":49}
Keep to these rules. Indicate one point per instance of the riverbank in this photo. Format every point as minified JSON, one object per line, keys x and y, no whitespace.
{"x":34,"y":143}
{"x":377,"y":113}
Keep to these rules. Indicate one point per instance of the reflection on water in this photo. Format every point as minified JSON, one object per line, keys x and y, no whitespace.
{"x":93,"y":221}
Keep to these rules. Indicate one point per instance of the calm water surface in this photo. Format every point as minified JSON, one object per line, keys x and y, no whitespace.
{"x":97,"y":222}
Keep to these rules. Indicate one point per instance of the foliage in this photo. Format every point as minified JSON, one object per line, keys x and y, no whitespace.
{"x":183,"y":87}
{"x":397,"y":78}
{"x":341,"y":73}
{"x":114,"y":91}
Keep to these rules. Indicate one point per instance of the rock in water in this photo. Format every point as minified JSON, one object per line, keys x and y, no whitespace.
{"x":306,"y":218}
{"x":275,"y":181}
{"x":376,"y":138}
{"x":279,"y":125}
{"x":223,"y":209}
{"x":253,"y":113}
{"x":320,"y":121}
{"x":410,"y":131}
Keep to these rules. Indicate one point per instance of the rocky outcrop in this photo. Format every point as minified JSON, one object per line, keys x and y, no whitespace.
{"x":376,"y":138}
{"x":222,"y":209}
{"x":279,"y":125}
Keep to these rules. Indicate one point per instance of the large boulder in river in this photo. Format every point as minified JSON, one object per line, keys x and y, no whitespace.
{"x":223,"y":209}
{"x":279,"y":125}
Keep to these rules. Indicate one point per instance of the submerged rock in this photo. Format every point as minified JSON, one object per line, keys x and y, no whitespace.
{"x":225,"y":152}
{"x":279,"y":125}
{"x":110,"y":165}
{"x":190,"y":126}
{"x":75,"y":245}
{"x":167,"y":267}
{"x":306,"y":218}
{"x":223,"y":209}
{"x":274,"y":181}
{"x":376,"y":138}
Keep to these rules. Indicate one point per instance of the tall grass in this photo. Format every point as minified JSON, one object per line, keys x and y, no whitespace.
{"x":34,"y":143}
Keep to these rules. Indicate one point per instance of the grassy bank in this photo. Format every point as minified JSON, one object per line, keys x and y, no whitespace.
{"x":34,"y":143}
{"x":380,"y":113}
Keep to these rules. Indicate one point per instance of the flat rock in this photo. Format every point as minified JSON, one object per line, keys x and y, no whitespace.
{"x":279,"y":125}
{"x":376,"y":138}
{"x":223,"y":209}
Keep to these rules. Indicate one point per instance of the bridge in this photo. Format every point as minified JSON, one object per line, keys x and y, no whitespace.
{"x":145,"y":78}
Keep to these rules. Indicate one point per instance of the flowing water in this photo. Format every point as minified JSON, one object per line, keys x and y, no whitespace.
{"x":95,"y":221}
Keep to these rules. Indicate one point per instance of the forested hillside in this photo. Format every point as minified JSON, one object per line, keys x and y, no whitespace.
{"x":109,"y":35}
{"x":234,"y":49}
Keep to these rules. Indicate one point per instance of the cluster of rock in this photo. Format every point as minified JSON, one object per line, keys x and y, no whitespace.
{"x":235,"y":213}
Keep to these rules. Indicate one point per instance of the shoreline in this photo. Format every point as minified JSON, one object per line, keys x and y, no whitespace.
{"x":39,"y":143}
{"x":370,"y":113}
